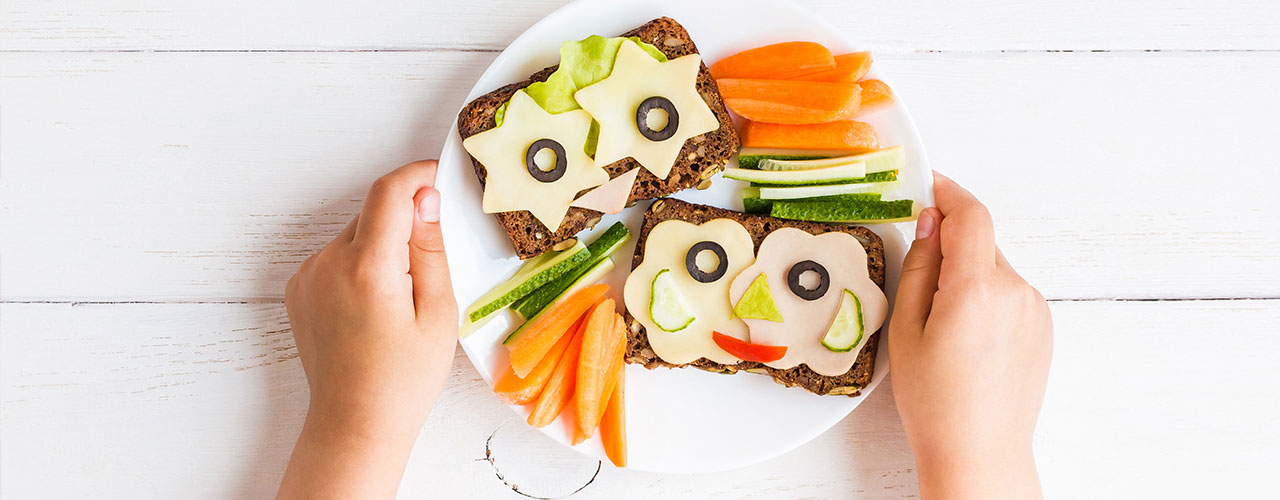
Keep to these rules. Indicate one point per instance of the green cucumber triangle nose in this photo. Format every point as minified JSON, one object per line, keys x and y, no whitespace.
{"x":757,"y":302}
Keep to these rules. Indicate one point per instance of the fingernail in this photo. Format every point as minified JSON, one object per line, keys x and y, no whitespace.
{"x":926,"y":223}
{"x":429,"y":207}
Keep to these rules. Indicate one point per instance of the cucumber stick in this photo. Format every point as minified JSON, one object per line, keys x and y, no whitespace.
{"x":591,"y":276}
{"x":751,"y":157}
{"x":846,"y":211}
{"x":533,"y":274}
{"x":846,"y":172}
{"x":882,"y":160}
{"x":753,"y":203}
{"x":604,"y":245}
{"x":891,"y":175}
{"x":797,"y":192}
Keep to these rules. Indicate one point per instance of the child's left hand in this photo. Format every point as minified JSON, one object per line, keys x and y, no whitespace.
{"x":376,"y":324}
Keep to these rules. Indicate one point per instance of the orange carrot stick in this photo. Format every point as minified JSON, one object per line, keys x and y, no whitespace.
{"x":613,"y":425}
{"x":558,"y":392}
{"x":850,"y":67}
{"x":538,"y":337}
{"x":875,"y":95}
{"x":847,"y":135}
{"x":790,"y":101}
{"x":594,"y":367}
{"x":780,"y":60}
{"x":513,"y":390}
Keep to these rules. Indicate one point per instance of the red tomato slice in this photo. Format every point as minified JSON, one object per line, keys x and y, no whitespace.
{"x":747,"y":351}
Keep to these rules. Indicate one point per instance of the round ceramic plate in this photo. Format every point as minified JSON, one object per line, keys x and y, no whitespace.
{"x":681,"y":420}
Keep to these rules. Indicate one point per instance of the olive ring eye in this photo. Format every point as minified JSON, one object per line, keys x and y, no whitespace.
{"x":556,"y":172}
{"x":642,"y":118}
{"x":691,"y":262}
{"x":815,"y":293}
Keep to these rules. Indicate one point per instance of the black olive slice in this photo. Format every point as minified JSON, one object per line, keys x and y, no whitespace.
{"x":642,"y":118}
{"x":793,"y":280}
{"x":691,"y":261}
{"x":538,"y":173}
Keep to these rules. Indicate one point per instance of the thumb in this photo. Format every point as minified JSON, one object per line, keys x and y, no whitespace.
{"x":920,"y":271}
{"x":432,"y":291}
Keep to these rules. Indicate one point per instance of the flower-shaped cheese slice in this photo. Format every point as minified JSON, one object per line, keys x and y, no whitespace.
{"x":805,"y":319}
{"x":668,"y":247}
{"x":637,"y":78}
{"x":515,"y":181}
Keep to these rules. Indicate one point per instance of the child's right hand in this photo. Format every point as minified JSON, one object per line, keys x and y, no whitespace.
{"x":970,"y":344}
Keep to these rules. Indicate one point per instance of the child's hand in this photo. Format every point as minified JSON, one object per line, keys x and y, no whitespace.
{"x":969,"y":345}
{"x":375,"y":322}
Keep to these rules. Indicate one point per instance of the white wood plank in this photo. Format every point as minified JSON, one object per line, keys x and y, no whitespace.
{"x":1146,"y":400}
{"x":210,"y":176}
{"x":884,"y":25}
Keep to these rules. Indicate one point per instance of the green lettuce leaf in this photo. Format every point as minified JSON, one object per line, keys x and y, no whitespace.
{"x":582,"y":63}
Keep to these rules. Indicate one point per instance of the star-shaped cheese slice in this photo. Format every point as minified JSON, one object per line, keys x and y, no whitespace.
{"x":502,"y":150}
{"x":637,"y":76}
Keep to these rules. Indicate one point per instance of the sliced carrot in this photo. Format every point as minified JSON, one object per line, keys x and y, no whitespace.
{"x":790,"y":101}
{"x":595,"y":365}
{"x":772,"y":112}
{"x":618,"y":350}
{"x":514,"y":390}
{"x":875,"y":95}
{"x":846,"y":135}
{"x":780,"y":60}
{"x":559,"y":389}
{"x":850,"y":67}
{"x":548,"y":328}
{"x":613,"y":425}
{"x":817,"y":95}
{"x":614,"y":355}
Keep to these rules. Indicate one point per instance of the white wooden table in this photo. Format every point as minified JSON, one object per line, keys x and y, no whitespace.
{"x":164,"y":166}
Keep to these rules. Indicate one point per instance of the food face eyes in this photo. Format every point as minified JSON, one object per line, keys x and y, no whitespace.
{"x":796,"y":273}
{"x":657,"y":103}
{"x":556,"y":171}
{"x":696,"y":272}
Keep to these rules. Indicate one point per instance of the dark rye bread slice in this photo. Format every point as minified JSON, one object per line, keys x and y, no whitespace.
{"x":850,"y":383}
{"x":700,"y":157}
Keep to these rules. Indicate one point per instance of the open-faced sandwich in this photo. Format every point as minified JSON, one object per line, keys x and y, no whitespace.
{"x":726,"y":291}
{"x":618,"y":120}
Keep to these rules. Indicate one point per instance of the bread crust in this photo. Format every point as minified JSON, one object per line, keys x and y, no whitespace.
{"x":850,"y":383}
{"x":700,"y":157}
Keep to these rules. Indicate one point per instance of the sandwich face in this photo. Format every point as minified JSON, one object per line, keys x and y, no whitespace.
{"x":691,"y":138}
{"x":832,"y":266}
{"x":697,"y":264}
{"x":809,"y":277}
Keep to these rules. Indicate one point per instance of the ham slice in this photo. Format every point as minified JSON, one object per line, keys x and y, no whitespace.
{"x":610,"y":197}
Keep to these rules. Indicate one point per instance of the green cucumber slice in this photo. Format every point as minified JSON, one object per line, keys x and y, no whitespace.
{"x":604,"y":245}
{"x":846,"y":331}
{"x":889,"y":176}
{"x":757,"y":302}
{"x":797,"y":192}
{"x":882,"y":160}
{"x":751,"y":157}
{"x":844,"y":211}
{"x":533,"y":274}
{"x":753,"y":161}
{"x":592,"y":276}
{"x":667,"y":308}
{"x":847,"y":172}
{"x":752,"y":202}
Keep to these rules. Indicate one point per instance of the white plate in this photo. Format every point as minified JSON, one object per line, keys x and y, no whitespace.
{"x":684,"y":420}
